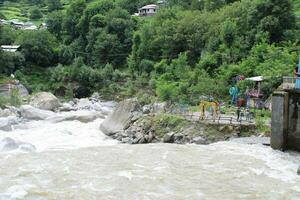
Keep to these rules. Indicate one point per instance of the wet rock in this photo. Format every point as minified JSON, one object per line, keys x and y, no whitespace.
{"x":107,"y":107}
{"x":31,"y":113}
{"x":9,"y":144}
{"x":150,"y":137}
{"x":7,"y":122}
{"x":298,"y":171}
{"x":84,"y":104}
{"x":45,"y":101}
{"x":126,"y":140}
{"x":9,"y":111}
{"x":84,"y":117}
{"x":121,"y":118}
{"x":199,"y":140}
{"x":66,"y":107}
{"x":139,"y":138}
{"x":169,"y":137}
{"x":179,"y":138}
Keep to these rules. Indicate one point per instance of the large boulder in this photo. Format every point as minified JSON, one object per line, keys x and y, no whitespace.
{"x":123,"y":115}
{"x":5,"y":89}
{"x":31,"y":113}
{"x":45,"y":101}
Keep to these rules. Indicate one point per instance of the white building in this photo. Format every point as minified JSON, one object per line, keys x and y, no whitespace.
{"x":148,"y":10}
{"x":10,"y":48}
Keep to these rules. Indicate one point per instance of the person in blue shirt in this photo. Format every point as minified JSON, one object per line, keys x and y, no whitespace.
{"x":233,"y":92}
{"x":297,"y":75}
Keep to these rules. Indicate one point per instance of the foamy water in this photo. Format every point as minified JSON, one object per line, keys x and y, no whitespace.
{"x":74,"y":160}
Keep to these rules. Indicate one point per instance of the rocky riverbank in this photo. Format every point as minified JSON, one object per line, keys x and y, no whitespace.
{"x":127,"y":121}
{"x":45,"y":106}
{"x":131,"y":123}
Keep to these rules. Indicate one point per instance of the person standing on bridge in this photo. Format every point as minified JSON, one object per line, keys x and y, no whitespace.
{"x":233,"y":92}
{"x":297,"y":75}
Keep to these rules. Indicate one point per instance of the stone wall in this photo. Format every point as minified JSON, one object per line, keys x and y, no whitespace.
{"x":293,"y":136}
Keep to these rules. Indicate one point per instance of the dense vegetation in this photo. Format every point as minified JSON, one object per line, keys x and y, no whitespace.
{"x":188,"y":49}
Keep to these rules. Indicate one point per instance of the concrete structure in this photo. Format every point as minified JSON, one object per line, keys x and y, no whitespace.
{"x":286,"y":120}
{"x":148,"y":10}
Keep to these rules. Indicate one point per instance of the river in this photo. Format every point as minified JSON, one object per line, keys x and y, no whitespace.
{"x":74,"y":160}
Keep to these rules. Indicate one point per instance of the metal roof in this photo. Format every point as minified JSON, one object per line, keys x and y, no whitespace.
{"x":150,"y":6}
{"x":10,"y":48}
{"x":256,"y":78}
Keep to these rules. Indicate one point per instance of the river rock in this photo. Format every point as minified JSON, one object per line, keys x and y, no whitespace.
{"x":9,"y":144}
{"x":66,"y":107}
{"x":147,"y":109}
{"x":121,"y":117}
{"x":9,"y":111}
{"x":95,"y":97}
{"x":160,"y":107}
{"x":5,"y":89}
{"x":169,"y":137}
{"x":84,"y":117}
{"x":45,"y":101}
{"x":84,"y":104}
{"x":7,"y":122}
{"x":298,"y":171}
{"x":199,"y":140}
{"x":107,"y":107}
{"x":31,"y":113}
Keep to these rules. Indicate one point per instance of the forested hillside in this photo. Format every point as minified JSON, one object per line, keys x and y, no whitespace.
{"x":190,"y":48}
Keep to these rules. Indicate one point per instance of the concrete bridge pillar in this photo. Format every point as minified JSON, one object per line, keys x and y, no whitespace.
{"x":286,"y":120}
{"x":279,"y":120}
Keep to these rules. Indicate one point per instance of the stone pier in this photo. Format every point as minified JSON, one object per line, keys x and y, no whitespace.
{"x":286,"y":120}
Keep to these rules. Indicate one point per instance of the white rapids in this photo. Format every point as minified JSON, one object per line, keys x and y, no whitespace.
{"x":74,"y":160}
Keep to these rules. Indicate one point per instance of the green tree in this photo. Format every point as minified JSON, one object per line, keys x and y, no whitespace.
{"x":35,"y":13}
{"x":10,"y":62}
{"x":73,"y":15}
{"x":274,"y":17}
{"x":38,"y":47}
{"x":54,"y":5}
{"x":55,"y":23}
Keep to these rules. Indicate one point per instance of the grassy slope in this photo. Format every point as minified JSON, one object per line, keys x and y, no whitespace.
{"x":297,"y":7}
{"x":20,"y":11}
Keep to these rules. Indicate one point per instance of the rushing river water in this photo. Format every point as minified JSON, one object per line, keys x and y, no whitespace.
{"x":73,"y":160}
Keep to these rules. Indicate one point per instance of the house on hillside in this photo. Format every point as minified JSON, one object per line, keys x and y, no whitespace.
{"x":3,"y":21}
{"x":10,"y":48}
{"x":21,"y":25}
{"x":17,"y":24}
{"x":148,"y":10}
{"x":29,"y":26}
